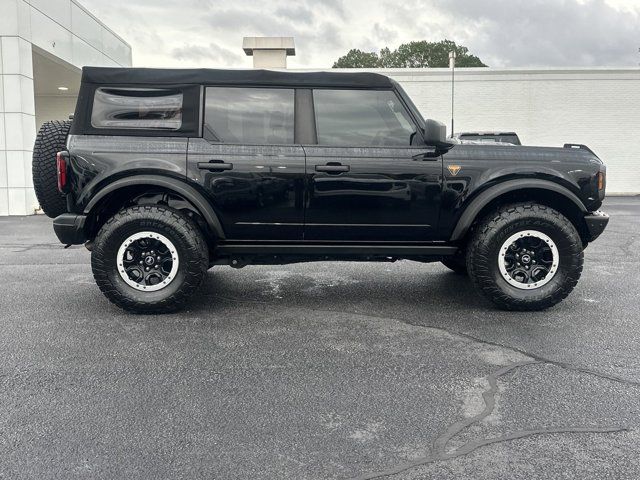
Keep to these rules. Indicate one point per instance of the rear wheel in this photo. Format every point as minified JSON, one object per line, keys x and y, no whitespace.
{"x":51,"y":139}
{"x":149,"y":259}
{"x":525,"y":257}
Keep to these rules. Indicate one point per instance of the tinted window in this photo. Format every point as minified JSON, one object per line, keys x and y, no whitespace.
{"x":143,"y":108}
{"x":361,"y":118}
{"x":249,"y":115}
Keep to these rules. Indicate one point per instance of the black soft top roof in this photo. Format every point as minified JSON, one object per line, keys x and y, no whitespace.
{"x":207,"y":76}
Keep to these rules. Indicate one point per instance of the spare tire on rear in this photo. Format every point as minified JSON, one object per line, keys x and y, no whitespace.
{"x":51,"y":139}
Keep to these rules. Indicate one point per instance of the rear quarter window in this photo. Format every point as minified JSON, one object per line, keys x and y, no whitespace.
{"x":138,"y":109}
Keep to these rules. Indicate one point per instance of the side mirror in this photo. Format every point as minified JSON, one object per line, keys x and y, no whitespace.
{"x":435,"y":134}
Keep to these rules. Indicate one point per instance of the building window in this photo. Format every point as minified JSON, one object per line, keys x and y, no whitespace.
{"x":362,"y":118}
{"x":261,"y":116}
{"x":141,"y":108}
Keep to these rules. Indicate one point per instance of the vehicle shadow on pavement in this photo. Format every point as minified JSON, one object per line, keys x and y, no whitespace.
{"x":341,"y":286}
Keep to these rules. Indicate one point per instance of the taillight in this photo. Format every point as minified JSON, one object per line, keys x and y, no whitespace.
{"x":601,"y":180}
{"x":61,"y":166}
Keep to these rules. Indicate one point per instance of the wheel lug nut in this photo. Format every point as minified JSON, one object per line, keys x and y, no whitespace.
{"x":147,"y":269}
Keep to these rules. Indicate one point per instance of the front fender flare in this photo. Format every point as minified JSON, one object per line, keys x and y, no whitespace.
{"x":181,"y":188}
{"x":482,"y":200}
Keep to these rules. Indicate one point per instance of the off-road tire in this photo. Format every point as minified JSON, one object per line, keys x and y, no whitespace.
{"x":456,"y":263}
{"x":180,"y":230}
{"x":51,"y":139}
{"x":495,"y":229}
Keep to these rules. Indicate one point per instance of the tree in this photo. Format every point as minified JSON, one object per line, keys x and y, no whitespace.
{"x":357,"y":59}
{"x":411,"y":55}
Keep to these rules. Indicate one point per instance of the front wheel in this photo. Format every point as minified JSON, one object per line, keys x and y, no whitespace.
{"x":149,"y":259}
{"x":525,"y":257}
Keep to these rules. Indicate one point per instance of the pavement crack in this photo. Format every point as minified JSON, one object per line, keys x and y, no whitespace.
{"x":473,"y":445}
{"x":440,"y":444}
{"x":440,"y":452}
{"x":539,"y":358}
{"x":534,"y":356}
{"x":489,"y":397}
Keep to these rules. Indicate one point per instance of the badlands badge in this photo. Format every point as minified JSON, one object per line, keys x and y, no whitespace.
{"x":453,"y":169}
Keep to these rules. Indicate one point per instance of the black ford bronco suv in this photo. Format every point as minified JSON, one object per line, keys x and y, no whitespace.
{"x":165,"y":173}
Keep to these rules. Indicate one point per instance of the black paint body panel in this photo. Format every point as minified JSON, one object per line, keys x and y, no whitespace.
{"x":283,"y":193}
{"x":273,"y":191}
{"x":386,"y":195}
{"x":485,"y":166}
{"x":261,"y":196}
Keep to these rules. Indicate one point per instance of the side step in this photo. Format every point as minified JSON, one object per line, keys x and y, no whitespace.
{"x":315,"y":249}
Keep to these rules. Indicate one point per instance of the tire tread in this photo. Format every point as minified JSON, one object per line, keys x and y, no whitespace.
{"x":479,"y":259}
{"x":195,"y":272}
{"x":51,"y":139}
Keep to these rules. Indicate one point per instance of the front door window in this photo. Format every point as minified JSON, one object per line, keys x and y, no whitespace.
{"x":369,"y":118}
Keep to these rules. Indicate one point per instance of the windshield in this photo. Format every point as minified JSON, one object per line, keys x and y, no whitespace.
{"x":511,"y":138}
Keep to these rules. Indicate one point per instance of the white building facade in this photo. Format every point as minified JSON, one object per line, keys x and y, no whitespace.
{"x":43,"y":45}
{"x":599,"y":108}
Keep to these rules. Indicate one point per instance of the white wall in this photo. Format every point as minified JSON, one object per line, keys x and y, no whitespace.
{"x":53,"y":108}
{"x":65,"y":29}
{"x":17,"y":126}
{"x":597,"y":107}
{"x":66,"y":32}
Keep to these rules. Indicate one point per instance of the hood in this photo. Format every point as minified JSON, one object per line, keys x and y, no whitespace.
{"x":570,"y":153}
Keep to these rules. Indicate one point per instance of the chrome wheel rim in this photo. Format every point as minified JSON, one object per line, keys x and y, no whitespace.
{"x":528,"y":259}
{"x":147,"y":261}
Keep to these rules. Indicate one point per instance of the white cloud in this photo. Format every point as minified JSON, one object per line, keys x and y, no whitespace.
{"x":207,"y":33}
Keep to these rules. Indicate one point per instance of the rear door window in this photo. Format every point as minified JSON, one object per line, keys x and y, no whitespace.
{"x":137,"y":108}
{"x":263,"y":116}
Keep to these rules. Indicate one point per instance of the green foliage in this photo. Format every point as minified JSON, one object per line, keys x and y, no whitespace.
{"x":357,"y":59}
{"x":421,"y":54}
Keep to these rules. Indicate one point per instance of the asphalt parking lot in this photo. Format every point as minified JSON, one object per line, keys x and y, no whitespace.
{"x":327,"y":370}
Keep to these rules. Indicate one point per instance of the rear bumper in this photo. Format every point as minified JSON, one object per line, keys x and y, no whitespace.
{"x":596,"y":223}
{"x":69,"y":228}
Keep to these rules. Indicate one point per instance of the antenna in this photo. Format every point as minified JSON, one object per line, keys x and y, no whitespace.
{"x":452,"y":66}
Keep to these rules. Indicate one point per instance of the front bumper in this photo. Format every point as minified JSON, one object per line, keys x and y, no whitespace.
{"x":69,"y":228}
{"x":596,"y":223}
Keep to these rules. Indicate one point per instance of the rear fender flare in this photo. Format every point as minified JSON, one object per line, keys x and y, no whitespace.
{"x":472,"y":210}
{"x":181,"y":188}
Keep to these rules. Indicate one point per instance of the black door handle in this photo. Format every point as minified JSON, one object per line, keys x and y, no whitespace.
{"x":332,"y":168}
{"x":215,"y":165}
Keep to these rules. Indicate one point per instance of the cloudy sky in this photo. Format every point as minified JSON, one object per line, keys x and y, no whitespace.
{"x":503,"y":33}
